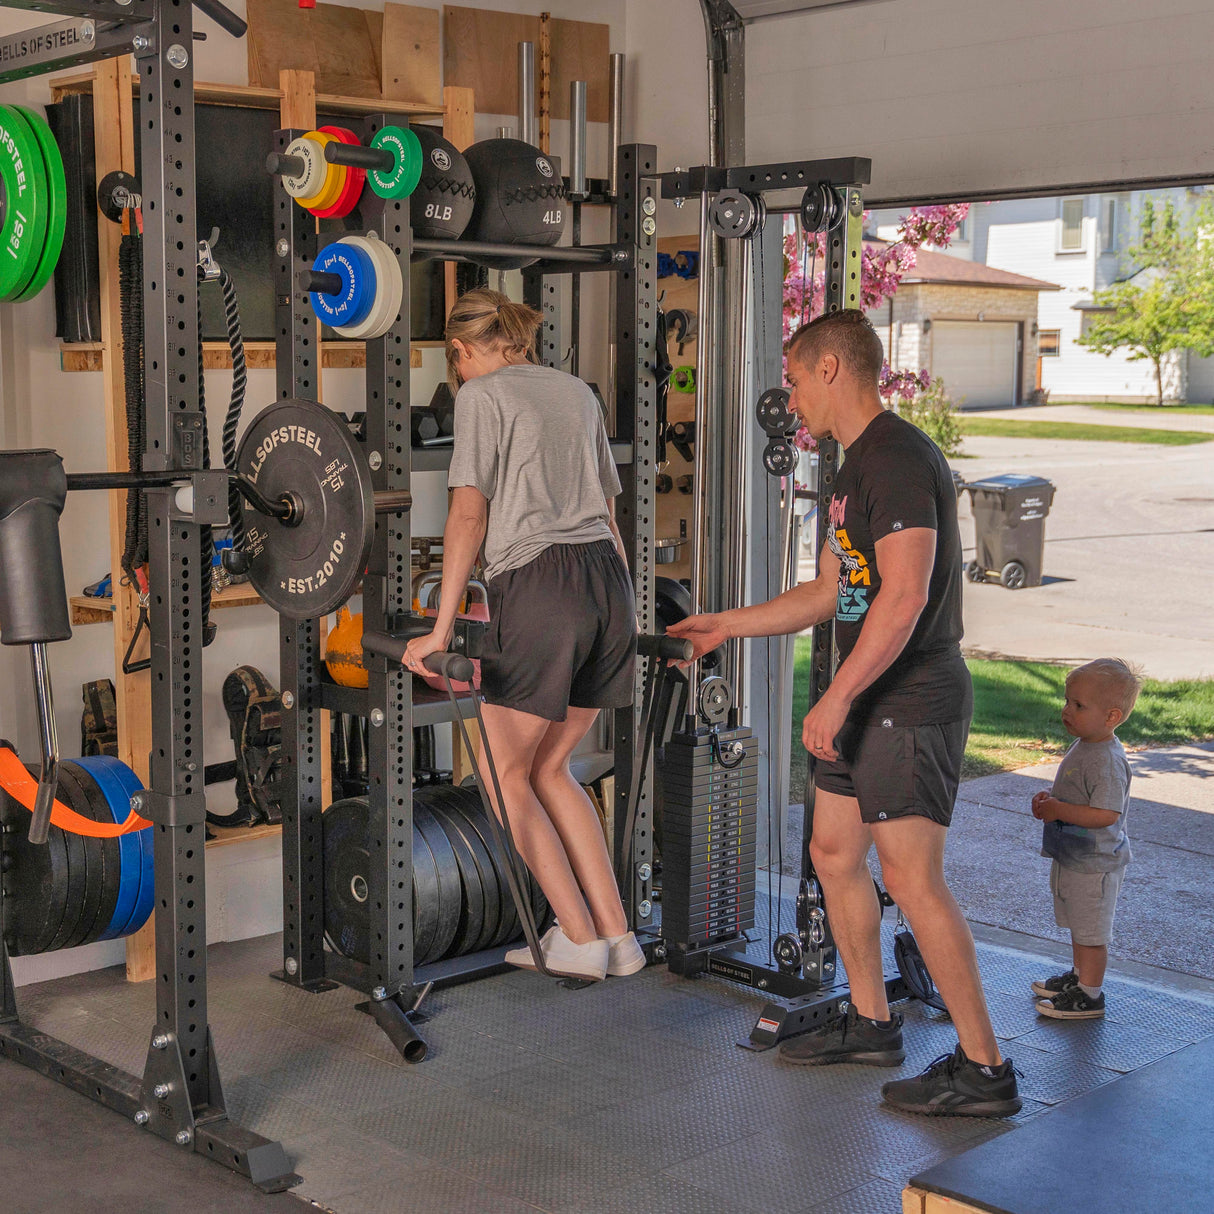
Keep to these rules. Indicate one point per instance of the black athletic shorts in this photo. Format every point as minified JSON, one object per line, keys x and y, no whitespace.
{"x":905,"y":771}
{"x":562,"y":633}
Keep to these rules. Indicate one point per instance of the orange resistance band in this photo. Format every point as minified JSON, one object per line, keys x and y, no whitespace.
{"x":23,"y":788}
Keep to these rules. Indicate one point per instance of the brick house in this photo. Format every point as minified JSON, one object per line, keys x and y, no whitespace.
{"x":971,"y":325}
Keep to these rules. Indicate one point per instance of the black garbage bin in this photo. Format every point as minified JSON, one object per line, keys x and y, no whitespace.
{"x":1009,"y":526}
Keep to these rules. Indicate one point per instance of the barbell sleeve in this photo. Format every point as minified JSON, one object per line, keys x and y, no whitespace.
{"x":665,"y":648}
{"x":320,"y":281}
{"x":356,"y":156}
{"x":281,"y":165}
{"x":223,"y":17}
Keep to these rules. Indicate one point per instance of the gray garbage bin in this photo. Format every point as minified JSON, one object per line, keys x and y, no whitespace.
{"x":1009,"y":528}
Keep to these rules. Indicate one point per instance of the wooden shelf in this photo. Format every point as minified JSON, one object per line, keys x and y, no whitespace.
{"x":266,"y":99}
{"x":240,"y":834}
{"x":87,"y":609}
{"x":259,"y":355}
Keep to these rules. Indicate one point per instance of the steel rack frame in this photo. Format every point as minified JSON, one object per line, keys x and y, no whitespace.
{"x":810,"y":996}
{"x":179,"y":1096}
{"x":394,"y":984}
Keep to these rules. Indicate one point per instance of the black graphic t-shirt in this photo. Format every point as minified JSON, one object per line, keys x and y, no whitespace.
{"x":895,"y":478}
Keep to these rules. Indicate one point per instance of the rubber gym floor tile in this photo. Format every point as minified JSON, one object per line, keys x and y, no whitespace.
{"x":1160,"y":1012}
{"x":1118,"y":1047}
{"x":446,"y":1127}
{"x":268,"y":1112}
{"x":659,"y":1194}
{"x":761,"y":1173}
{"x":250,"y":1043}
{"x":659,"y":1062}
{"x":872,"y":1197}
{"x":1053,"y":1078}
{"x":1011,"y":1015}
{"x":457,"y":1057}
{"x":426,"y":1188}
{"x":334,"y":1160}
{"x":344,"y":1084}
{"x":549,"y":1173}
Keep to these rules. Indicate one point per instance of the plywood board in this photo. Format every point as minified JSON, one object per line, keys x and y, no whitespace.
{"x":339,"y":45}
{"x":409,"y":54}
{"x":480,"y":53}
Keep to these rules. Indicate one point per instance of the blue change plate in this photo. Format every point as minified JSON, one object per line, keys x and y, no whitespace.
{"x":137,"y":888}
{"x":352,"y":304}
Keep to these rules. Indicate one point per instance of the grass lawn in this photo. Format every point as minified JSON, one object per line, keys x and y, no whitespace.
{"x":1170,"y":410}
{"x":1016,"y":715}
{"x":1000,"y":427}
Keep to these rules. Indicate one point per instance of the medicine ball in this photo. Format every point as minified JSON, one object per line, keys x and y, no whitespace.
{"x":520,"y":198}
{"x":440,"y":207}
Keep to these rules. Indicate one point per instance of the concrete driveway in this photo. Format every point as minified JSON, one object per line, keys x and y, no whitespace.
{"x":1129,"y":552}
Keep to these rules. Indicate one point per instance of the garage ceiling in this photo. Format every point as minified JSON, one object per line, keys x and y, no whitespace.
{"x":749,"y":10}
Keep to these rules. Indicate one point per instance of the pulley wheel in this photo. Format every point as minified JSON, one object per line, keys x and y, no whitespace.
{"x":447,"y":803}
{"x":774,"y":415}
{"x":108,"y":854}
{"x":715,"y":699}
{"x":35,"y":876}
{"x":779,"y":457}
{"x":733,"y":214}
{"x":56,"y":202}
{"x":26,"y":211}
{"x":450,"y":887}
{"x":301,"y":451}
{"x":788,"y":953}
{"x":821,"y":208}
{"x":72,"y":793}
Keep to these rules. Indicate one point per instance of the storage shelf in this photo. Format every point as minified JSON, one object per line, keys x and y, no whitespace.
{"x":88,"y":609}
{"x":266,"y":98}
{"x":259,"y":355}
{"x":241,"y":834}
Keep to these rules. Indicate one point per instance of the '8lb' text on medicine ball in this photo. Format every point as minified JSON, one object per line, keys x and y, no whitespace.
{"x":440,"y":207}
{"x":520,"y":198}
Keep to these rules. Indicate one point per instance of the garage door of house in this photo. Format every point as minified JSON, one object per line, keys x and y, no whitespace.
{"x":976,"y":360}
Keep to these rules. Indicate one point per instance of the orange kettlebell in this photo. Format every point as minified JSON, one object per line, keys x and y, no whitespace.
{"x":344,"y":650}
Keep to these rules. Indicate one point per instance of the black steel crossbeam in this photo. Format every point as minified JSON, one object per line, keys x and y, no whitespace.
{"x":65,"y":44}
{"x":753,"y":179}
{"x":117,"y":1089}
{"x":96,"y":10}
{"x":468,"y":250}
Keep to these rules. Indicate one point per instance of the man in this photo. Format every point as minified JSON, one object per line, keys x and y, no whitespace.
{"x":887,"y":737}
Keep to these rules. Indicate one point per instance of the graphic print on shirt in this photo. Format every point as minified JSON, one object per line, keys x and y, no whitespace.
{"x":855,"y":581}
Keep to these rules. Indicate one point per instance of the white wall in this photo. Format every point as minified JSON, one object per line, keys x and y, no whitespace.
{"x":983,"y":97}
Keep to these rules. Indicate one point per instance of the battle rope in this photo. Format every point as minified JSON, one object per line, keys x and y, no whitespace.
{"x":231,"y":312}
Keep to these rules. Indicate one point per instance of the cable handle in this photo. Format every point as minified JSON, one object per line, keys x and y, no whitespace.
{"x":453,"y":666}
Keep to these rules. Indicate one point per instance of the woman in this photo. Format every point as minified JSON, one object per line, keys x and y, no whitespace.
{"x":533,"y":478}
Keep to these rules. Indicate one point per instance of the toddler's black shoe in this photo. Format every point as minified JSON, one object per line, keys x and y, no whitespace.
{"x":953,"y":1086}
{"x":1050,"y":987}
{"x":848,"y":1037}
{"x":1074,"y":1003}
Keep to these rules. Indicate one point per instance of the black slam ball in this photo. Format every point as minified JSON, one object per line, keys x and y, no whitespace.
{"x":440,"y":207}
{"x":520,"y":198}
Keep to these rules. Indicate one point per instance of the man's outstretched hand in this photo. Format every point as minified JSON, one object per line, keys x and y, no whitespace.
{"x":703,"y":631}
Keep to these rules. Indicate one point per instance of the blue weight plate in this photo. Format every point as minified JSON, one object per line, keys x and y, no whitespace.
{"x":117,"y":782}
{"x":353,"y":303}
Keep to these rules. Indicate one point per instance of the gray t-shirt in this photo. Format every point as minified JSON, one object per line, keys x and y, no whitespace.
{"x":532,"y":440}
{"x":1096,"y":774}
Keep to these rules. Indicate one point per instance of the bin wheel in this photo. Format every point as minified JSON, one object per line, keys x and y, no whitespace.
{"x":975,"y":572}
{"x":1014,"y":575}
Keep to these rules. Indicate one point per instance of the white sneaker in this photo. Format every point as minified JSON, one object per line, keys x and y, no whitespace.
{"x":563,"y":957}
{"x":625,"y":956}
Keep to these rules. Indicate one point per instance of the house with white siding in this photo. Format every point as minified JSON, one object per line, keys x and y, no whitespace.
{"x":1078,"y":242}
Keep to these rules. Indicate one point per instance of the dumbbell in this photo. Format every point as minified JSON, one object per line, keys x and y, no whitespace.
{"x":423,"y":426}
{"x":442,"y":405}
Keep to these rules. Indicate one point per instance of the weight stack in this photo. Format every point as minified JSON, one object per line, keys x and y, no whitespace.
{"x":709,"y":816}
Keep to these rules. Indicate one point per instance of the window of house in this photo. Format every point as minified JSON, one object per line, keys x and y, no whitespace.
{"x":1108,"y":224}
{"x":1048,"y":341}
{"x":1087,"y":319}
{"x":962,"y":234}
{"x":1071,"y":237}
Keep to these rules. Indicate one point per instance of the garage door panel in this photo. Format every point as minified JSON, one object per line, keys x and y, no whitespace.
{"x":976,"y":360}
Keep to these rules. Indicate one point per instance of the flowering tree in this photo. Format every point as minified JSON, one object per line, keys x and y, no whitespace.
{"x":882,"y":268}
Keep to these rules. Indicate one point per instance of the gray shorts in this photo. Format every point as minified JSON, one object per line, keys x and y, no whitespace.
{"x":1085,"y":903}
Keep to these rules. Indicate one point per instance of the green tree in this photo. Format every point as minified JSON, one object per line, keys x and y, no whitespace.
{"x":1168,"y":303}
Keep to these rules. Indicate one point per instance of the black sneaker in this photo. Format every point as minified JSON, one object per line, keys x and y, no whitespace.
{"x":848,"y":1037}
{"x":1055,"y":985}
{"x":953,"y":1086}
{"x":1074,"y":1003}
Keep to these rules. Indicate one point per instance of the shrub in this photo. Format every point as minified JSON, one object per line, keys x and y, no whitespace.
{"x":935,"y":414}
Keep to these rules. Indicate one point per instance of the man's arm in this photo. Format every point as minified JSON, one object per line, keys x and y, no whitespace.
{"x":905,"y":559}
{"x":793,"y":611}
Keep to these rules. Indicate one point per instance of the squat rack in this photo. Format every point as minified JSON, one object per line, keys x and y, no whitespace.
{"x":180,"y":1095}
{"x":396,"y":986}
